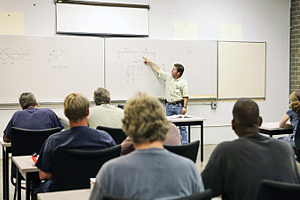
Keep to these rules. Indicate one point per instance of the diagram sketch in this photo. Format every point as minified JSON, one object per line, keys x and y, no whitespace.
{"x":9,"y":56}
{"x":56,"y":59}
{"x":134,"y":62}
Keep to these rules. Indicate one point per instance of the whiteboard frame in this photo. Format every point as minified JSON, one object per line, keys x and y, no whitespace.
{"x":108,"y":19}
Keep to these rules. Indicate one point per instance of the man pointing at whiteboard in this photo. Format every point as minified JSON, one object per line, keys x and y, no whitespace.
{"x":176,"y":92}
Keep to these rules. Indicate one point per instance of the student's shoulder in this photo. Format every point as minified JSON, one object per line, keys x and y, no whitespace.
{"x":97,"y":132}
{"x":46,"y":110}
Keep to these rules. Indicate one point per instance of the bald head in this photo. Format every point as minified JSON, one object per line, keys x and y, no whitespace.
{"x":246,"y":119}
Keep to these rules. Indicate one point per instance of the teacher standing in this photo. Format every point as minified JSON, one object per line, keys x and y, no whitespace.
{"x":176,"y":92}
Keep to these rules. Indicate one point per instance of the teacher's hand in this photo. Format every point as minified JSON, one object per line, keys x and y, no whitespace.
{"x":183,"y":110}
{"x":146,"y":60}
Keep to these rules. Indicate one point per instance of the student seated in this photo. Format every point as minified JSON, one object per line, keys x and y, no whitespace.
{"x":150,"y":172}
{"x":30,"y":117}
{"x":76,"y":108}
{"x":236,"y":168}
{"x":104,"y":114}
{"x":293,"y":115}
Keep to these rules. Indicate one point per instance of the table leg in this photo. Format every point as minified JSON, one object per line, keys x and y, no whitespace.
{"x":201,"y":141}
{"x":18,"y":184}
{"x":189,"y":135}
{"x":4,"y":173}
{"x":5,"y":162}
{"x":28,"y":181}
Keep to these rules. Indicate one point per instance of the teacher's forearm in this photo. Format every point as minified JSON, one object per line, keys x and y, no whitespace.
{"x":185,"y":101}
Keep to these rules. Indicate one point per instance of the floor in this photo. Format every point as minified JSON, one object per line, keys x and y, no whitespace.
{"x":200,"y":166}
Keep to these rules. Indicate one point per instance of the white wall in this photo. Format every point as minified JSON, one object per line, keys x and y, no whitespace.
{"x":232,"y":20}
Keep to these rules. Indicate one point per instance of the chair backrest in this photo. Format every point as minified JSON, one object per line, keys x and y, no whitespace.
{"x":206,"y":195}
{"x":116,"y":133}
{"x":274,"y":190}
{"x":187,"y":150}
{"x":29,"y":141}
{"x":297,"y":143}
{"x":75,"y":167}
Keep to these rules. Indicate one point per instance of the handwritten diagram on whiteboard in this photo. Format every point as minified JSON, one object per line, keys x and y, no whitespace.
{"x":50,"y":67}
{"x":9,"y":56}
{"x":126,"y":73}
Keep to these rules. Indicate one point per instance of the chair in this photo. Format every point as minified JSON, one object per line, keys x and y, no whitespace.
{"x":274,"y":190}
{"x":206,"y":195}
{"x":188,"y":150}
{"x":75,"y":167}
{"x":297,"y":143}
{"x":121,"y":106}
{"x":116,"y":133}
{"x":27,"y":142}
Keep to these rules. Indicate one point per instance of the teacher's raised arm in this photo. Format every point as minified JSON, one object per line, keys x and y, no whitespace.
{"x":154,"y":66}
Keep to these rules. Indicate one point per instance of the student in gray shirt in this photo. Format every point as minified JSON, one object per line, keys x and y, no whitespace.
{"x":150,"y":172}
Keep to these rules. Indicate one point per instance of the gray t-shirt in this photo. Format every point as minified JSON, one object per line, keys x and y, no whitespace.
{"x":148,"y":174}
{"x":237,"y":167}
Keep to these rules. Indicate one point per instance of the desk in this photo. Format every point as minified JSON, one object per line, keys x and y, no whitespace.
{"x":82,"y":194}
{"x":275,"y":131}
{"x":27,"y":170}
{"x":6,"y":149}
{"x":190,"y":121}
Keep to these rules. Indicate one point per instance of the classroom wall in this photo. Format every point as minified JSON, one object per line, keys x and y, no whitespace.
{"x":231,"y":20}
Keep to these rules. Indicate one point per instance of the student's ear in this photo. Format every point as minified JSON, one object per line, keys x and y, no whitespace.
{"x":88,"y":112}
{"x":36,"y":104}
{"x":232,"y":125}
{"x":260,"y":121}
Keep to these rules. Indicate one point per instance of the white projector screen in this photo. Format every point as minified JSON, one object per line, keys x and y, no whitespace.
{"x":101,"y":20}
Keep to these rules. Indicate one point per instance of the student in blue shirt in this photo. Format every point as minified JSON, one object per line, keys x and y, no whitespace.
{"x":30,"y":117}
{"x":76,"y":109}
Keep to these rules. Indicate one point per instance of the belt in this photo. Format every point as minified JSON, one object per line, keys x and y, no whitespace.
{"x":175,"y":102}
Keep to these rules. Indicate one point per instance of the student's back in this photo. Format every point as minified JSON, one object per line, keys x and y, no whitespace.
{"x":236,"y":168}
{"x":31,"y":117}
{"x":148,"y":174}
{"x":243,"y":163}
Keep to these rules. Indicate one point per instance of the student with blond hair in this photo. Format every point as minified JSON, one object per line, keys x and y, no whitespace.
{"x":292,"y":115}
{"x":149,"y":172}
{"x":76,"y":108}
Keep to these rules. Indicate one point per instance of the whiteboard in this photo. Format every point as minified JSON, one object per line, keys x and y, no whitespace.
{"x":242,"y":70}
{"x":50,"y":67}
{"x":126,"y":73}
{"x":101,"y":20}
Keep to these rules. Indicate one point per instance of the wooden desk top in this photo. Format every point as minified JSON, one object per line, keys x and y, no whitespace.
{"x":4,"y":144}
{"x":82,"y":194}
{"x":24,"y":164}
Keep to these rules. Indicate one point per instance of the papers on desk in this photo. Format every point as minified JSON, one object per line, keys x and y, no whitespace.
{"x":179,"y":116}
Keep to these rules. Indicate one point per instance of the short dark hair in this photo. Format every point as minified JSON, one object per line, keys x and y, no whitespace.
{"x":246,"y":113}
{"x":27,"y":99}
{"x":180,"y":68}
